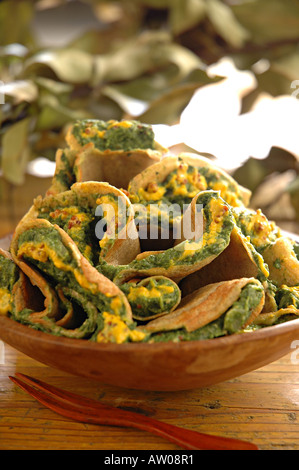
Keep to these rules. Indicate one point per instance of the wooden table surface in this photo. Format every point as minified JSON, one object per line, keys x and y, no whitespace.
{"x":261,"y":407}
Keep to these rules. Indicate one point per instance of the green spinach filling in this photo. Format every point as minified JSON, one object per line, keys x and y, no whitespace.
{"x":186,"y":252}
{"x":64,"y":270}
{"x":83,"y":322}
{"x":114,"y":135}
{"x":256,"y":226}
{"x":80,"y":220}
{"x":287,"y":296}
{"x":230,"y":322}
{"x":65,"y":175}
{"x":9,"y":273}
{"x":153,"y":298}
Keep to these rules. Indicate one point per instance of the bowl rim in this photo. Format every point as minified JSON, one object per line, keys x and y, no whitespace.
{"x":213,"y":343}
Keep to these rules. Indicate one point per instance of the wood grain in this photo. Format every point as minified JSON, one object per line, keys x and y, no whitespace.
{"x":261,"y":406}
{"x":165,"y":366}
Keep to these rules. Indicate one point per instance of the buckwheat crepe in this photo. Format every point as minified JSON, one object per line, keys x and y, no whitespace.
{"x":241,"y":302}
{"x":191,"y":254}
{"x":51,"y":260}
{"x":177,"y":179}
{"x":97,"y":216}
{"x":112,"y":151}
{"x":78,"y":265}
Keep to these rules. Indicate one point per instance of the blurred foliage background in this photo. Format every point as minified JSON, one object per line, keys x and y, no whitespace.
{"x":143,"y":59}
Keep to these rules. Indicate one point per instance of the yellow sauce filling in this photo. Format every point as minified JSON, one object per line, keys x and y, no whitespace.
{"x":187,"y":184}
{"x":65,"y":212}
{"x":149,"y":293}
{"x":209,"y":237}
{"x":92,"y":131}
{"x":232,"y":198}
{"x":153,"y":192}
{"x":111,"y":214}
{"x":42,"y":252}
{"x":5,"y":301}
{"x":260,"y":228}
{"x":116,"y":331}
{"x":180,"y":179}
{"x":125,"y":124}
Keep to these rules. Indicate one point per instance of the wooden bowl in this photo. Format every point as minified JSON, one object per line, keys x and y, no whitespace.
{"x":158,"y":367}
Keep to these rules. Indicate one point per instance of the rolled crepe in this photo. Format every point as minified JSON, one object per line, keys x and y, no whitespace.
{"x":47,"y":308}
{"x":112,"y":151}
{"x":281,"y":257}
{"x":227,"y":307}
{"x":284,"y":306}
{"x":152,"y":297}
{"x":177,"y":180}
{"x":46,"y":250}
{"x":64,"y":175}
{"x":9,"y":274}
{"x":162,"y":193}
{"x":97,"y":216}
{"x":240,"y":259}
{"x":190,"y":255}
{"x":256,"y":226}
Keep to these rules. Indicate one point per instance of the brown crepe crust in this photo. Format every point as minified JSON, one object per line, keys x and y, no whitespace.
{"x":175,"y":272}
{"x":31,"y":291}
{"x":204,"y":306}
{"x":117,"y":167}
{"x":5,"y":253}
{"x":235,"y":262}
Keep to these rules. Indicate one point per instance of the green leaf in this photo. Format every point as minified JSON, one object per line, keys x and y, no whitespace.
{"x":226,"y":24}
{"x":16,"y":151}
{"x":54,"y":115}
{"x":155,"y":3}
{"x":20,"y":90}
{"x":167,"y":107}
{"x":185,"y":14}
{"x":251,"y":173}
{"x":293,"y":191}
{"x":150,"y":51}
{"x":274,"y":83}
{"x":53,"y":86}
{"x":288,"y":66}
{"x":15,"y":20}
{"x":69,"y":65}
{"x":268,"y":20}
{"x":152,"y":97}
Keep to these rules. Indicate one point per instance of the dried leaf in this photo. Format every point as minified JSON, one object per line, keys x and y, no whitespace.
{"x":151,"y":51}
{"x":16,"y":151}
{"x":185,"y":15}
{"x":20,"y":90}
{"x":69,"y":65}
{"x":159,"y":98}
{"x":288,"y":66}
{"x":168,"y":106}
{"x":53,"y":86}
{"x":268,"y":20}
{"x":15,"y":20}
{"x":54,"y":115}
{"x":226,"y":23}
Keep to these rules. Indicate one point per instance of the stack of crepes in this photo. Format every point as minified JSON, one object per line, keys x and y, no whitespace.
{"x":105,"y":255}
